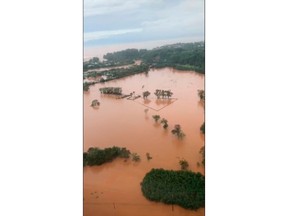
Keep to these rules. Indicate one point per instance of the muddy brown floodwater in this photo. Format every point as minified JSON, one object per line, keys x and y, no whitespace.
{"x":114,"y":188}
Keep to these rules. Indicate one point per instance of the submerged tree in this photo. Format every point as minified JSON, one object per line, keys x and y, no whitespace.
{"x":95,"y":103}
{"x":201,"y":94}
{"x":164,"y":122}
{"x":146,"y":94}
{"x":202,"y":128}
{"x":111,"y":90}
{"x":184,"y":164}
{"x":163,"y":93}
{"x":135,"y":157}
{"x":148,"y":156}
{"x":168,"y":93}
{"x":177,"y":131}
{"x":156,"y":117}
{"x":86,"y":86}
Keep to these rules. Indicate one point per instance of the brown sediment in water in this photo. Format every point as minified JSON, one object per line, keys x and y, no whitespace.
{"x":114,"y":188}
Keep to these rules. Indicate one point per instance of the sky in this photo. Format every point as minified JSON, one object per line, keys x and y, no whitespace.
{"x":113,"y":23}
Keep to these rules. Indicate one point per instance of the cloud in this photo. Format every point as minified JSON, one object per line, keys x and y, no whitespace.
{"x":101,"y":7}
{"x":106,"y":34}
{"x":115,"y":21}
{"x":183,"y":19}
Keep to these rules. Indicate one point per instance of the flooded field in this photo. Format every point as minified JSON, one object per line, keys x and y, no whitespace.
{"x":114,"y":188}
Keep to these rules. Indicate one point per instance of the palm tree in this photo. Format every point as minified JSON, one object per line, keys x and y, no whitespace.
{"x":158,"y":93}
{"x":163,"y":93}
{"x":169,"y":93}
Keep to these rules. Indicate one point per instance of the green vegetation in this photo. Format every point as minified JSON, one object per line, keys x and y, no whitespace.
{"x":156,"y":117}
{"x":86,"y":85}
{"x":164,"y":122}
{"x":95,"y":63}
{"x":182,"y":56}
{"x":96,"y":156}
{"x":202,"y":128}
{"x":187,"y":56}
{"x":185,"y":67}
{"x":116,"y":73}
{"x":184,"y":164}
{"x":178,"y":131}
{"x":111,"y":90}
{"x":92,"y":63}
{"x":135,"y":157}
{"x":128,"y":55}
{"x":184,"y":188}
{"x":202,"y":152}
{"x":163,"y":93}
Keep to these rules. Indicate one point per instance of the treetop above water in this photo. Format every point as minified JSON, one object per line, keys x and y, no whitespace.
{"x":184,"y":188}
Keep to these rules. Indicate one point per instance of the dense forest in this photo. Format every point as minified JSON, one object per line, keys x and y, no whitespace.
{"x":182,"y":56}
{"x":184,"y":188}
{"x":189,"y":56}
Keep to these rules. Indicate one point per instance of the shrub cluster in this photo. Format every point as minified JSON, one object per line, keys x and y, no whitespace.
{"x":135,"y":157}
{"x":111,"y":90}
{"x":178,"y":131}
{"x":96,"y":156}
{"x":86,"y":85}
